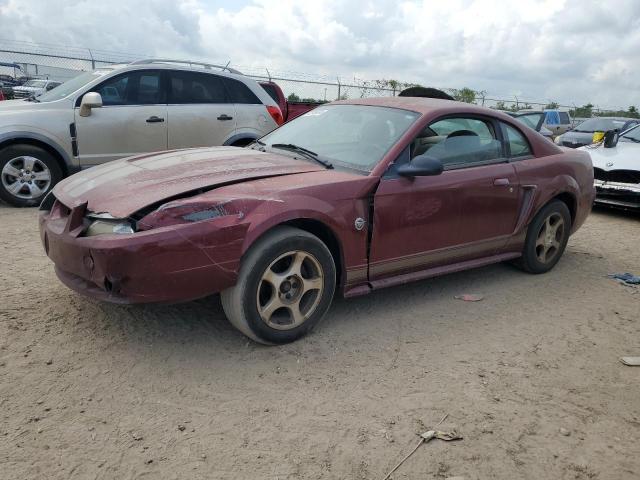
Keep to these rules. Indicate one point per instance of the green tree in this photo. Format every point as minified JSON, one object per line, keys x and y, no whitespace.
{"x":500,"y":105}
{"x":552,"y":105}
{"x":584,"y":111}
{"x":633,"y":111}
{"x":293,"y":97}
{"x":465,"y":94}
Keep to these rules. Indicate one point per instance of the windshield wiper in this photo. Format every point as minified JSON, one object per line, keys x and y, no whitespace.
{"x":307,"y":153}
{"x":635,"y":140}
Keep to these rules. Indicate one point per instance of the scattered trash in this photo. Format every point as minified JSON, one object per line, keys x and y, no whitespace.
{"x":137,"y":436}
{"x":469,"y":297}
{"x":181,"y":428}
{"x":49,"y":362}
{"x":631,"y":361}
{"x":626,"y":278}
{"x":565,"y":432}
{"x":426,"y":437}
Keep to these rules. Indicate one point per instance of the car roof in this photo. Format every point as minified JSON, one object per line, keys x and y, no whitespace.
{"x":433,"y":106}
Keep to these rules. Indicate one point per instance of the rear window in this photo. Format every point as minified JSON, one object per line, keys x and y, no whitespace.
{"x":271,"y":90}
{"x":240,"y":93}
{"x":564,"y":118}
{"x":193,"y":87}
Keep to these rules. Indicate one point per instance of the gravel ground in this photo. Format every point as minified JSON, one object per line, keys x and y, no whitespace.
{"x":529,"y":377}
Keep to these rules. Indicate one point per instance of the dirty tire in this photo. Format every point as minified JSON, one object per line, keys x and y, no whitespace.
{"x":8,"y":155}
{"x":534,"y":260}
{"x":247,"y":303}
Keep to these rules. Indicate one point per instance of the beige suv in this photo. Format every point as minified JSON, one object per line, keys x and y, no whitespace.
{"x":124,"y":110}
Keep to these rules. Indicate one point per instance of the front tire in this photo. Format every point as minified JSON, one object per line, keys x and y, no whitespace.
{"x":547,"y":238}
{"x":285,"y":286}
{"x":27,"y":174}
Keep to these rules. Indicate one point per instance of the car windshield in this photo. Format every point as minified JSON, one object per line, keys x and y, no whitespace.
{"x":35,"y":83}
{"x":599,"y":125}
{"x":530,"y":119}
{"x":70,"y":86}
{"x":351,"y":136}
{"x":632,"y":135}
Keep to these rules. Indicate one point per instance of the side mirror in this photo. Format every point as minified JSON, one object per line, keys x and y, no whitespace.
{"x":90,"y":100}
{"x":421,"y":166}
{"x":611,"y":138}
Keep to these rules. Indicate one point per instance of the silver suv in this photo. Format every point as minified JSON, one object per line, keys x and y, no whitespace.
{"x":124,"y":110}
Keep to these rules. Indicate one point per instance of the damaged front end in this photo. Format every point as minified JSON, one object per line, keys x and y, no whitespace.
{"x":179,"y":250}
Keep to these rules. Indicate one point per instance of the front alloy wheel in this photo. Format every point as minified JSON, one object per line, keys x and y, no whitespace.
{"x":27,"y":174}
{"x":26,"y":177}
{"x":290,"y":290}
{"x":285,"y":286}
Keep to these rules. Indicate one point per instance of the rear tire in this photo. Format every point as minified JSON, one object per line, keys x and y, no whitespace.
{"x":27,"y":174}
{"x":285,"y":286}
{"x":547,"y":238}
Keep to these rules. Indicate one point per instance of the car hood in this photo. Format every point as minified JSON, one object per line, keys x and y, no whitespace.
{"x":624,"y":156}
{"x":582,"y":138}
{"x":19,"y":104}
{"x":125,"y":186}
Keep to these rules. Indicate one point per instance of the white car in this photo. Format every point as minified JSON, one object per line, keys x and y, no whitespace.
{"x":616,"y":170}
{"x":125,"y":110}
{"x":33,"y":88}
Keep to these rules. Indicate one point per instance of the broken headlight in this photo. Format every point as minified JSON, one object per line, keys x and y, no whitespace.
{"x":105,"y":224}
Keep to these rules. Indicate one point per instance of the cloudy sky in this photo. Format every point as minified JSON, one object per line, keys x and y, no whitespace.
{"x":570,"y":51}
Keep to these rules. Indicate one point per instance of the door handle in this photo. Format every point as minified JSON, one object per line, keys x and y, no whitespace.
{"x":224,"y":117}
{"x":501,"y":182}
{"x":155,"y":119}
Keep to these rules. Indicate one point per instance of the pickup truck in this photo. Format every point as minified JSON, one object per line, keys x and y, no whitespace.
{"x":290,"y":110}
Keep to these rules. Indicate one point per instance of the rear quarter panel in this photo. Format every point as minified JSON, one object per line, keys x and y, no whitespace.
{"x":569,"y":172}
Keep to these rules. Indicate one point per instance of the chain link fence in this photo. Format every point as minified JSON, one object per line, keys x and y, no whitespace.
{"x":62,"y":63}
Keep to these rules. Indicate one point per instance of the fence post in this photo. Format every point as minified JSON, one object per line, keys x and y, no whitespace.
{"x":338,"y":88}
{"x":93,"y":62}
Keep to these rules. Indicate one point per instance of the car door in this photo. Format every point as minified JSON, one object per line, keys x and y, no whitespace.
{"x":132,"y":119}
{"x":200,"y":112}
{"x":469,"y":211}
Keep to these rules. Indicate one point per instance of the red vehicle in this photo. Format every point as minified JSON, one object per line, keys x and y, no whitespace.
{"x":290,"y":110}
{"x":352,"y":197}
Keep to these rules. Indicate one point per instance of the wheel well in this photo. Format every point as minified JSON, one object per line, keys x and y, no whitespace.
{"x":324,"y":233}
{"x":37,"y":143}
{"x":570,"y":201}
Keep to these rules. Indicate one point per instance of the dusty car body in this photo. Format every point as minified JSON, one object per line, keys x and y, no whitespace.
{"x":183,"y":224}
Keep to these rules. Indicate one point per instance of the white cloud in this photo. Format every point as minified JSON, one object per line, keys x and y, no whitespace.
{"x":568,"y":51}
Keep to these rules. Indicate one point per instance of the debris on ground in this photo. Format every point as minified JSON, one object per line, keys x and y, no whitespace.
{"x":469,"y":297}
{"x":631,"y":361}
{"x":565,"y":432}
{"x":424,"y":438}
{"x":626,"y":278}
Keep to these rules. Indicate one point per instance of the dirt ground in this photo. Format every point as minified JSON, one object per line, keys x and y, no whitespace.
{"x":96,"y":391}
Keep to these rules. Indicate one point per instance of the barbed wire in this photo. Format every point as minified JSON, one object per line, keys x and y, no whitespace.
{"x":63,"y":62}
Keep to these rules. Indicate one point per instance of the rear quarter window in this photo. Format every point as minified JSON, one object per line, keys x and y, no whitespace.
{"x":240,"y":93}
{"x":564,"y":118}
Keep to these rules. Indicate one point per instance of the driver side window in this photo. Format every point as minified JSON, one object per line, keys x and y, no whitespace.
{"x":458,"y":142}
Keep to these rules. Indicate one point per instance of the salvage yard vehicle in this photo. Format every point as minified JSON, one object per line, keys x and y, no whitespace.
{"x":34,"y":87}
{"x":351,"y":197}
{"x":290,"y":109}
{"x":582,"y":134}
{"x":121,"y":110}
{"x":616,"y":169}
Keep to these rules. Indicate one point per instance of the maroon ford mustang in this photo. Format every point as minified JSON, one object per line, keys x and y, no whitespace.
{"x":352,"y":196}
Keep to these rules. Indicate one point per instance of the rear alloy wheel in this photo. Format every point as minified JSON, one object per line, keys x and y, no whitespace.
{"x":27,"y":174}
{"x":547,"y":238}
{"x":285,"y":286}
